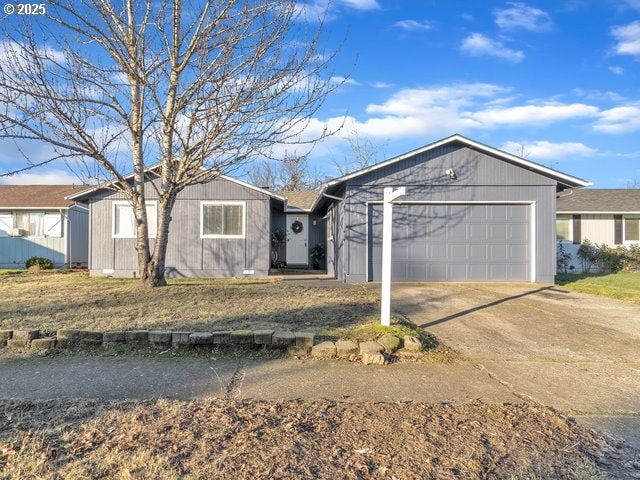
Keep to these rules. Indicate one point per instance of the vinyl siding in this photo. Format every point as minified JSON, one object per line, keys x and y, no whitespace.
{"x":188,"y":255}
{"x":480,"y":178}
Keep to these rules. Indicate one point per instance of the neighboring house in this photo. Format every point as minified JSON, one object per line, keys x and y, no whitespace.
{"x":218,"y":229}
{"x":37,"y":221}
{"x":470,"y":213}
{"x":603,"y":216}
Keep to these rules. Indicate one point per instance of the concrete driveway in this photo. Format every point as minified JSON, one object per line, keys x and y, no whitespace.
{"x":575,"y":352}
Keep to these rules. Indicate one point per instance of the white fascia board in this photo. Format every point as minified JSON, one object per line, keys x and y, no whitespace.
{"x":601,"y":212}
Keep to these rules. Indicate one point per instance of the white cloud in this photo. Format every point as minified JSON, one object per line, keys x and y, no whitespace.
{"x":478,"y":45}
{"x":628,"y":38}
{"x":381,"y":84}
{"x":345,"y":80}
{"x":523,"y":16}
{"x":361,"y":4}
{"x":533,"y":114}
{"x":617,"y":120}
{"x":51,"y":177}
{"x":544,"y":149}
{"x":616,"y":70}
{"x":599,"y":95}
{"x":412,"y":25}
{"x":315,"y":10}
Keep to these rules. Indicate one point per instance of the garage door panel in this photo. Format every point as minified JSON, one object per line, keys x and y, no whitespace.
{"x":453,"y":242}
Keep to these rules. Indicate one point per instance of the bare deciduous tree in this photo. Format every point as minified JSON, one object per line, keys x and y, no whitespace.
{"x":364,"y":153}
{"x":292,"y":173}
{"x":193,"y":88}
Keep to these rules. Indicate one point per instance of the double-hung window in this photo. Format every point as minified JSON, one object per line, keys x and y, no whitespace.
{"x":564,"y":228}
{"x":222,"y":219}
{"x":124,"y":221}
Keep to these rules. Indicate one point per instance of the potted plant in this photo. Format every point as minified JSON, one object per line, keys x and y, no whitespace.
{"x":317,"y":254}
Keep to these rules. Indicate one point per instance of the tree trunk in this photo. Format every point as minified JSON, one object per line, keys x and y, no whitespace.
{"x":155,"y":268}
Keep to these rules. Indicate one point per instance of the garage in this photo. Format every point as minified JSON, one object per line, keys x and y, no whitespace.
{"x":464,"y":212}
{"x":454,"y":242}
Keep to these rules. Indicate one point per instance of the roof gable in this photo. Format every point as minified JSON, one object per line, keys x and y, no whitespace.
{"x":562,"y":178}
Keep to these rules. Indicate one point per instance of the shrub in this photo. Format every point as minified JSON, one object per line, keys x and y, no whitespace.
{"x":41,"y":262}
{"x":563,"y":259}
{"x":588,"y":254}
{"x":609,"y":259}
{"x":631,"y":260}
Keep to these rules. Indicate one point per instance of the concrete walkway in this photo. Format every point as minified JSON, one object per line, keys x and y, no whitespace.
{"x":186,"y":378}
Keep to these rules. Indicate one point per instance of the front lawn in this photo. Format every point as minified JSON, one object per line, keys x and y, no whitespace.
{"x":622,"y":285}
{"x":74,"y":300}
{"x":224,"y":439}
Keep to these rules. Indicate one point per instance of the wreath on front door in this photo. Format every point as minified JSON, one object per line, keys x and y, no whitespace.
{"x":296,"y":227}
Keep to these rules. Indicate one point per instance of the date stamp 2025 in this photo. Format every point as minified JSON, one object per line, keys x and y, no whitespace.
{"x":25,"y":9}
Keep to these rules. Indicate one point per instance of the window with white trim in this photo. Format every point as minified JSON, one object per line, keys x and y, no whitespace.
{"x":631,"y":229}
{"x":31,"y":224}
{"x":222,"y":219}
{"x":124,"y":221}
{"x":564,"y":228}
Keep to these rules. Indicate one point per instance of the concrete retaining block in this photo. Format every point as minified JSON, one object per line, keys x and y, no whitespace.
{"x":137,"y":338}
{"x":160,"y":339}
{"x":324,"y":351}
{"x":221,"y":338}
{"x":15,"y":344}
{"x":112,"y":339}
{"x":179,"y":339}
{"x":283,"y":339}
{"x":201,"y":338}
{"x":373,"y":359}
{"x":43,"y":343}
{"x":25,"y":336}
{"x":262,"y":337}
{"x":370,"y":348}
{"x":391,"y":343}
{"x":242,"y":337}
{"x":412,"y":343}
{"x":4,"y":336}
{"x":346,"y":347}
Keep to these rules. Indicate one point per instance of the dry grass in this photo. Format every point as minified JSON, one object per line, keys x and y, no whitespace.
{"x":289,"y":440}
{"x":73,"y":300}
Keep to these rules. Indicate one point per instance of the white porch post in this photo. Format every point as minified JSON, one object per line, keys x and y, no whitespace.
{"x":387,"y":229}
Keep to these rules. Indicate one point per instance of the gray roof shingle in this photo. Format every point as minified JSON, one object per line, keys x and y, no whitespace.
{"x":300,"y":199}
{"x":625,"y":200}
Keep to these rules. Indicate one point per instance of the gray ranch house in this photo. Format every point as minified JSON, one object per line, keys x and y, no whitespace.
{"x":470,"y":213}
{"x":37,"y":221}
{"x":603,"y":216}
{"x":218,"y":229}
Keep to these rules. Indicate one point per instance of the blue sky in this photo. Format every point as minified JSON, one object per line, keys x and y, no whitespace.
{"x":556,"y":81}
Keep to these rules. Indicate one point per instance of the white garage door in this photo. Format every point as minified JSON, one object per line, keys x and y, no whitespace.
{"x":453,"y":242}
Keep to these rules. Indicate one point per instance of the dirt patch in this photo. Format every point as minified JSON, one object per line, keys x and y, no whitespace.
{"x":74,"y":300}
{"x":321,"y":440}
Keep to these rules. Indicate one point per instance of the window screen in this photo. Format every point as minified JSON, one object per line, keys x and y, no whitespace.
{"x":222,"y":219}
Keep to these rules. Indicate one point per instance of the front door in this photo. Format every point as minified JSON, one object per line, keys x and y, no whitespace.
{"x":298,"y":238}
